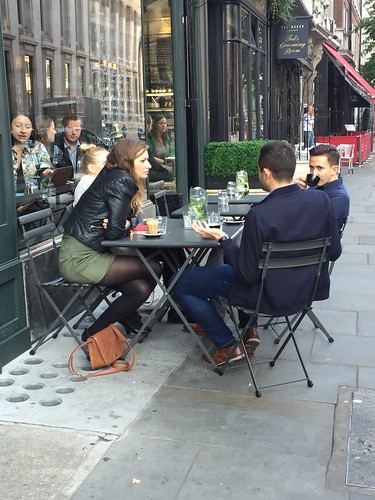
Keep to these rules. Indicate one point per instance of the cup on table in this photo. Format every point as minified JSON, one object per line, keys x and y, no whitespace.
{"x":231,"y":188}
{"x":163,"y":224}
{"x":214,"y":219}
{"x":152,"y":226}
{"x":312,"y":180}
{"x":188,"y":219}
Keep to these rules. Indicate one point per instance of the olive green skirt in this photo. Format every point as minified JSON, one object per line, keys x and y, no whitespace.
{"x":79,"y":263}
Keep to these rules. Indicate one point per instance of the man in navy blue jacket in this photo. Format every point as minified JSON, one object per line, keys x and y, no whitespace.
{"x":289,"y":213}
{"x":324,"y":162}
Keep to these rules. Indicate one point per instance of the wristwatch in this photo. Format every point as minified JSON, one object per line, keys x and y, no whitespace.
{"x":223,"y":238}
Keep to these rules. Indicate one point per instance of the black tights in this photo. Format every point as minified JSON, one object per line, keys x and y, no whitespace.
{"x":129,"y":276}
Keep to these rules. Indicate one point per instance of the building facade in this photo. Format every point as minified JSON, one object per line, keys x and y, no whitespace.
{"x":213,"y":69}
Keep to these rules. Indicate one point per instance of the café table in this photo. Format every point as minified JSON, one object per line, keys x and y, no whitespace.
{"x":234,"y":210}
{"x":163,"y":246}
{"x":250,"y":199}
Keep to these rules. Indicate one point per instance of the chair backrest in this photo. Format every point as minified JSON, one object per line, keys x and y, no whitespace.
{"x":161,"y":195}
{"x":154,"y":186}
{"x":36,"y":227}
{"x":346,"y":151}
{"x":341,"y":232}
{"x":292,"y":255}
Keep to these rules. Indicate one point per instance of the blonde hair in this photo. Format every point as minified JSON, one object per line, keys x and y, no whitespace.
{"x":122,"y":156}
{"x":91,"y":154}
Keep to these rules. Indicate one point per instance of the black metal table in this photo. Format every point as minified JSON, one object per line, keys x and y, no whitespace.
{"x":176,"y":237}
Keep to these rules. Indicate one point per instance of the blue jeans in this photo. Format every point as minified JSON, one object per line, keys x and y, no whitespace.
{"x":192,"y":291}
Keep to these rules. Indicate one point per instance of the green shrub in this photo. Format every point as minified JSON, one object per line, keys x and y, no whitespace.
{"x":224,"y":159}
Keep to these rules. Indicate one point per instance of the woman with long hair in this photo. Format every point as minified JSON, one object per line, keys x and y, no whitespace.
{"x":160,"y":142}
{"x":116,"y":195}
{"x":45,"y":132}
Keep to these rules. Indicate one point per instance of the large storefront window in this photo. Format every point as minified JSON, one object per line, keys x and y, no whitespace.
{"x":160,"y":89}
{"x":86,"y":59}
{"x":245,"y":60}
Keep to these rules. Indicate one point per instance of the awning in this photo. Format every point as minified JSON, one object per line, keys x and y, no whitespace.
{"x":352,"y":76}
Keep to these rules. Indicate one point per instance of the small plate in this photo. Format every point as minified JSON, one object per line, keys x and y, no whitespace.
{"x":233,"y":221}
{"x":146,"y":233}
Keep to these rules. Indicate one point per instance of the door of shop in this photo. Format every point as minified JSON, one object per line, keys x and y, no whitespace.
{"x":14,"y":333}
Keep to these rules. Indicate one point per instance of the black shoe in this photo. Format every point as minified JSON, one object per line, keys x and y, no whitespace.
{"x":132,"y":323}
{"x":85,"y":335}
{"x":174,"y":318}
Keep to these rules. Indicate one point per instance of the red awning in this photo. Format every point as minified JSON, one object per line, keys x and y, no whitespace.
{"x":350,"y":72}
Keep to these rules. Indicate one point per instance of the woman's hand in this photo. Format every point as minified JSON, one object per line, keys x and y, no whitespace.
{"x":204,"y":230}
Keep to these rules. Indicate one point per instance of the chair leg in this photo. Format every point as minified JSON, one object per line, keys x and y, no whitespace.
{"x":319,"y":325}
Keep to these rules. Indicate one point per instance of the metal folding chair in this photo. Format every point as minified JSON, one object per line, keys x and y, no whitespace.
{"x":39,"y":226}
{"x":346,"y":156}
{"x":282,"y":256}
{"x":162,"y":196}
{"x":311,"y":315}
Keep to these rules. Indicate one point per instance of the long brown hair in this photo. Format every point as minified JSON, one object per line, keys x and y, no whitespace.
{"x":122,"y":156}
{"x":154,"y":129}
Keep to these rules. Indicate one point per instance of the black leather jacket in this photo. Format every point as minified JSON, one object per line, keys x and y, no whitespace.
{"x":109,"y":196}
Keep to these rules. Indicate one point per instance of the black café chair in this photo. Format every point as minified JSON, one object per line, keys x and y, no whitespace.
{"x":278,"y":257}
{"x":310,"y":314}
{"x":39,"y":226}
{"x":161,"y":206}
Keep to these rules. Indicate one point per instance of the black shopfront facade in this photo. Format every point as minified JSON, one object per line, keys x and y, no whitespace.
{"x":208,"y":66}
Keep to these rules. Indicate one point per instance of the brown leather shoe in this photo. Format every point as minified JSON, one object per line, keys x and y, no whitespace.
{"x":251,"y":340}
{"x":220,"y":355}
{"x":196,"y":327}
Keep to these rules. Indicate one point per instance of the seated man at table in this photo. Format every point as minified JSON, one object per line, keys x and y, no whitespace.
{"x":287,"y":214}
{"x":324,"y":162}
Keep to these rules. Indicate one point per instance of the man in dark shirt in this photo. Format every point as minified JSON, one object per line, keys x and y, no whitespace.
{"x":287,"y":214}
{"x":68,"y":141}
{"x":324,"y":162}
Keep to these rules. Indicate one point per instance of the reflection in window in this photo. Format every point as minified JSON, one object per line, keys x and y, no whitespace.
{"x":67,"y":78}
{"x":45,"y":10}
{"x":48,"y":68}
{"x":29,"y":82}
{"x":4,"y":15}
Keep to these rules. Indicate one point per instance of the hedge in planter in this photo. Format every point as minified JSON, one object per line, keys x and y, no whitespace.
{"x":224,"y":159}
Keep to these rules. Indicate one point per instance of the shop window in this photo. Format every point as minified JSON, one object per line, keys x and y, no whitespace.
{"x":111,"y":97}
{"x":160,"y":89}
{"x":245,"y":74}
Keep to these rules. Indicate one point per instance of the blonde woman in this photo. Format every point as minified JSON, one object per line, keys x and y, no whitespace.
{"x":115,"y":195}
{"x":93,"y":160}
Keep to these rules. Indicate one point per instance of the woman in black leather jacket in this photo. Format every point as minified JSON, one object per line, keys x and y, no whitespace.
{"x":116,"y":195}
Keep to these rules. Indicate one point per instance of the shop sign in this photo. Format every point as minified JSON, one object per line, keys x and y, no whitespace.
{"x":292,"y":40}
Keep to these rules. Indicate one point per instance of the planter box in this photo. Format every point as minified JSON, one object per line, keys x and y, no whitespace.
{"x":218,"y":182}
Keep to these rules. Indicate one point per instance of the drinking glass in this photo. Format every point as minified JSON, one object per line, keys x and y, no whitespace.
{"x":231,"y":188}
{"x":163,"y":224}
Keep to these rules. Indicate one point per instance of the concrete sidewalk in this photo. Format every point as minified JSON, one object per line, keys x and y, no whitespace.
{"x":173,"y":429}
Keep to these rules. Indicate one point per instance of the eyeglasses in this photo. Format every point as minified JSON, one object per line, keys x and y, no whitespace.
{"x":73,"y":129}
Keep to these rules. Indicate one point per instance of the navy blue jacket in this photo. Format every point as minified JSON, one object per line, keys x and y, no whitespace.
{"x":339,"y":198}
{"x":287,"y":214}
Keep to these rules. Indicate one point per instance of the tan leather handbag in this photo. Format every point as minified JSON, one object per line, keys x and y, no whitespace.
{"x":105,"y":348}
